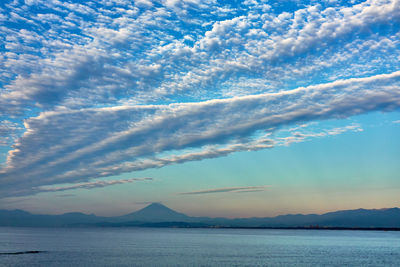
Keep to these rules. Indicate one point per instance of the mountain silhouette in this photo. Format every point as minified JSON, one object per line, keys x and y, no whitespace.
{"x":155,"y":212}
{"x":158,"y":215}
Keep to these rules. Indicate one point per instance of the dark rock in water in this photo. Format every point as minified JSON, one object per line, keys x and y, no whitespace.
{"x":21,"y":252}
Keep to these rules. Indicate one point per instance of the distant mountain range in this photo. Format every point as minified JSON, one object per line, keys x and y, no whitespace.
{"x":158,"y":215}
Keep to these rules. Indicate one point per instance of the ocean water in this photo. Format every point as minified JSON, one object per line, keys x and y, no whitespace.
{"x":197,"y":247}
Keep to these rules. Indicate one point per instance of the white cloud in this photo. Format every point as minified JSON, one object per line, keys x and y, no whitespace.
{"x":8,"y":132}
{"x":93,"y":143}
{"x":297,"y":136}
{"x":135,"y":58}
{"x":105,"y":87}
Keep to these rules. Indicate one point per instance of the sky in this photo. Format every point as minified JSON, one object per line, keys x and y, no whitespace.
{"x":213,"y":108}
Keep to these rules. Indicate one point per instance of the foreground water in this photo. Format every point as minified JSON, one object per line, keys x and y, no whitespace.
{"x":197,"y":247}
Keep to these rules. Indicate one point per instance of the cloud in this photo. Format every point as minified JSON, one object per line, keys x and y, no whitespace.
{"x":90,"y":185}
{"x":296,"y":136}
{"x":104,"y":88}
{"x":243,"y":189}
{"x":8,"y":132}
{"x":81,"y":56}
{"x":109,"y":141}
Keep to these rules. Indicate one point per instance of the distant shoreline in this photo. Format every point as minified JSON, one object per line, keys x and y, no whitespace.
{"x":158,"y":215}
{"x":317,"y":228}
{"x":384,"y":229}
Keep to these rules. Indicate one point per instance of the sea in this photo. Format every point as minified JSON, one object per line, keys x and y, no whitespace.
{"x":197,"y":247}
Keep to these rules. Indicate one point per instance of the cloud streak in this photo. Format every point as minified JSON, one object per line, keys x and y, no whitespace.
{"x":242,"y":189}
{"x":109,"y":141}
{"x":91,"y":185}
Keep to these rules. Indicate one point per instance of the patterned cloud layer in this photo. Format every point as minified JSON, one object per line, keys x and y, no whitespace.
{"x":99,"y":88}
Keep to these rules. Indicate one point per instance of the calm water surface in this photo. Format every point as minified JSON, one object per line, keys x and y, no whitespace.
{"x":197,"y":247}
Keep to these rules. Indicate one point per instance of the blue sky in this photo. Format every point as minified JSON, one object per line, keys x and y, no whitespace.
{"x":228,"y":108}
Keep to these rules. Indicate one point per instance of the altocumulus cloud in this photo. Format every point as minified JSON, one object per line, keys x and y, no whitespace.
{"x":99,"y":88}
{"x":109,"y":141}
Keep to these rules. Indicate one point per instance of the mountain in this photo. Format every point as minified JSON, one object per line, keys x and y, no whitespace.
{"x":158,"y":215}
{"x":155,"y":212}
{"x":23,"y":218}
